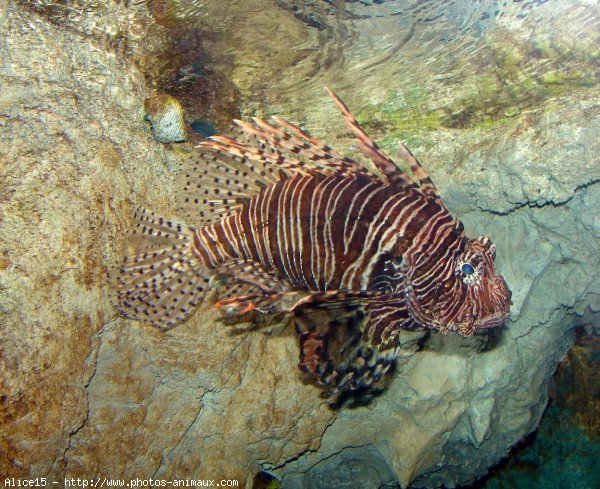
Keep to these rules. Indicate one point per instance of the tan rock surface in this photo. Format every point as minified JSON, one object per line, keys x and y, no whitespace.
{"x":83,"y":395}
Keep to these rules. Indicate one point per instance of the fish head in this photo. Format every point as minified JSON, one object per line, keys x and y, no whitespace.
{"x":476,"y":297}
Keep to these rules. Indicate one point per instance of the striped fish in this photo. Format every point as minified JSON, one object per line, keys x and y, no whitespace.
{"x":287,"y":225}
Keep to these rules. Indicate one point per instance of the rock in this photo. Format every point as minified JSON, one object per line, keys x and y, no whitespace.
{"x":67,"y":173}
{"x":87,"y":394}
{"x":84,"y":393}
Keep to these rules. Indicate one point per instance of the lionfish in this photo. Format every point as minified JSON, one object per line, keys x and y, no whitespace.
{"x":287,"y":225}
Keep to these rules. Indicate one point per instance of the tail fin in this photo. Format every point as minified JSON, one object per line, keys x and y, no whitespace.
{"x":162,"y":279}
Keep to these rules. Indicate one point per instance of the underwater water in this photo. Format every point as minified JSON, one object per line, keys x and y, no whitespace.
{"x":563,"y":451}
{"x":103,"y":107}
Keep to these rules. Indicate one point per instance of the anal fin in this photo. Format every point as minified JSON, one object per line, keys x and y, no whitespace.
{"x":244,"y":284}
{"x":249,"y":272}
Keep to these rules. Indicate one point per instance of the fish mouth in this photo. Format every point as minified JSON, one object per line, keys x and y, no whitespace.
{"x":501,"y":297}
{"x":493,"y":320}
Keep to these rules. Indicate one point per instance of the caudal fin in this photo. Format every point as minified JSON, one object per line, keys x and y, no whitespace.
{"x":161,"y":279}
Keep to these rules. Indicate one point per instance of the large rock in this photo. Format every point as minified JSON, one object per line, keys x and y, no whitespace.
{"x":67,"y":173}
{"x":459,"y":404}
{"x":86,"y":394}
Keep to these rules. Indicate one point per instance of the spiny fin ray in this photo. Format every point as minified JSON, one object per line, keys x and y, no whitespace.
{"x":386,"y":165}
{"x":302,"y":145}
{"x":425,"y":182}
{"x":368,"y":147}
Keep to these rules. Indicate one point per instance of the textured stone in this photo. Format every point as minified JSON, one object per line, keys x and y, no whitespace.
{"x":67,"y":172}
{"x":86,"y":394}
{"x":458,"y":404}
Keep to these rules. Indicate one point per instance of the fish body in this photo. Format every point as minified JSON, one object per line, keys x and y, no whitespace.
{"x":288,"y":225}
{"x":324,"y":232}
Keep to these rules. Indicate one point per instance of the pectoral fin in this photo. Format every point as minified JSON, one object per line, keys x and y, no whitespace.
{"x":295,"y":300}
{"x":335,"y":351}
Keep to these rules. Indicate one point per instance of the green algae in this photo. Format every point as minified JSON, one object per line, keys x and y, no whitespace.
{"x":403,"y":116}
{"x":513,"y":76}
{"x":558,"y":83}
{"x":520,"y":76}
{"x":401,"y":111}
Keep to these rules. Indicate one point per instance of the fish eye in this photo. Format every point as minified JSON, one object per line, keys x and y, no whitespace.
{"x":467,"y":269}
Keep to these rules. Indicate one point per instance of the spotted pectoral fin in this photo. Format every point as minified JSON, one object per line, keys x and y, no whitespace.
{"x":336,"y":353}
{"x":334,"y":349}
